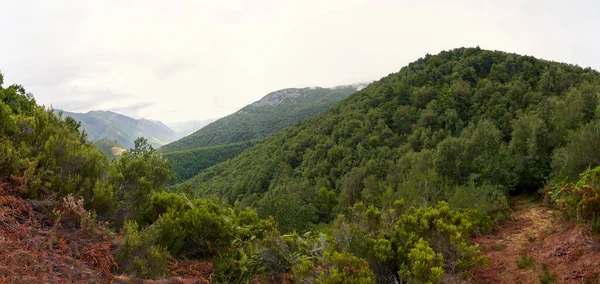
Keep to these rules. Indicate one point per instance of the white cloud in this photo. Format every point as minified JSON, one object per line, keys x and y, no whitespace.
{"x":186,"y":60}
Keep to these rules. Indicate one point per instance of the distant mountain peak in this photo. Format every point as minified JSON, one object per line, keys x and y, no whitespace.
{"x":260,"y":119}
{"x":121,"y":128}
{"x":278,"y":96}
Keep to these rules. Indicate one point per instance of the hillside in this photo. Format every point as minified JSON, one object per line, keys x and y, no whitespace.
{"x":538,"y":246}
{"x":395,"y":184}
{"x":106,"y":147}
{"x":69,"y":215}
{"x":121,"y":128}
{"x":464,"y":126}
{"x":258,"y":120}
{"x":188,"y":163}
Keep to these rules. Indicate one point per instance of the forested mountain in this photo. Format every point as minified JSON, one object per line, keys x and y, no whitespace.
{"x":188,"y":163}
{"x":388,"y":186}
{"x":258,"y":120}
{"x":123,"y":129}
{"x":464,"y":126}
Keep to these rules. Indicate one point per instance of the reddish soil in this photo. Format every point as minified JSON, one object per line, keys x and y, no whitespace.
{"x":35,"y":249}
{"x":46,"y":242}
{"x":568,"y":251}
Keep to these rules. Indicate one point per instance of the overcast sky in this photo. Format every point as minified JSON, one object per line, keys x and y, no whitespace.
{"x":183,"y":60}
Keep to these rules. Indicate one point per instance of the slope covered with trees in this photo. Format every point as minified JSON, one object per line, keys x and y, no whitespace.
{"x":465,"y":126}
{"x":188,"y":163}
{"x":388,"y":186}
{"x":121,"y":128}
{"x":55,"y":186}
{"x":260,"y":119}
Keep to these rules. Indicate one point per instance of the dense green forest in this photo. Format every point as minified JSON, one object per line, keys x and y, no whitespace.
{"x":260,"y":119}
{"x":188,"y":163}
{"x":465,"y":127}
{"x":229,"y":136}
{"x":388,"y":186}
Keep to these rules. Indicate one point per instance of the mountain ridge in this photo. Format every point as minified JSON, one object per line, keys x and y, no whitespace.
{"x":123,"y":129}
{"x":259,"y":119}
{"x":410,"y":134}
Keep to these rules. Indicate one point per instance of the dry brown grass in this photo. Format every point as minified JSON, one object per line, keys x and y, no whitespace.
{"x":56,"y":241}
{"x":568,"y":250}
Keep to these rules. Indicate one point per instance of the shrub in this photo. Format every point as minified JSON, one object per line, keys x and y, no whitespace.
{"x":546,"y":277}
{"x":488,"y":199}
{"x":447,"y":231}
{"x":423,"y":266}
{"x":579,"y":154}
{"x":343,"y":267}
{"x":139,"y":253}
{"x":104,"y":201}
{"x":199,"y":232}
{"x":304,"y":271}
{"x":525,"y":261}
{"x":581,"y":201}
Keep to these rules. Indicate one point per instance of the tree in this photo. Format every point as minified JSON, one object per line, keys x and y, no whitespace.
{"x":530,"y":149}
{"x":580,"y":152}
{"x":138,"y":173}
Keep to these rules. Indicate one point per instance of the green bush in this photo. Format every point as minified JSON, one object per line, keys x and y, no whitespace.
{"x":137,"y":175}
{"x":423,"y":265}
{"x":525,"y":261}
{"x":304,"y":272}
{"x":139,"y":253}
{"x":489,"y":200}
{"x":163,"y":202}
{"x":201,"y":231}
{"x":578,"y":154}
{"x":343,"y":267}
{"x":546,"y":277}
{"x":104,"y":201}
{"x":290,"y":210}
{"x":581,"y":200}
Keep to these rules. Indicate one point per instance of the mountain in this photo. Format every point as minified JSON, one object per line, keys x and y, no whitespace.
{"x":186,"y":128}
{"x":402,"y":182}
{"x":122,"y":129}
{"x":258,"y":120}
{"x":464,"y":126}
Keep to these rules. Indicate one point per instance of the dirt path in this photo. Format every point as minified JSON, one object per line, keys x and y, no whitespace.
{"x":116,"y":151}
{"x":538,"y":246}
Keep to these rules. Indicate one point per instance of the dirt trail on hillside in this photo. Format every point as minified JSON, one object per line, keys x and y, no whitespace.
{"x":538,"y":237}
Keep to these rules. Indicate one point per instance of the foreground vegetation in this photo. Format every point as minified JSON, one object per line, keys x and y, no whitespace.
{"x":387,"y":186}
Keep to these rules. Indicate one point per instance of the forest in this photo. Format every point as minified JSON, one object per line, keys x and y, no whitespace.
{"x":466,"y":126}
{"x":387,"y":186}
{"x":185,"y":164}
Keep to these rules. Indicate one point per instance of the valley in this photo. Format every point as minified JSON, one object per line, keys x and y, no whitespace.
{"x":469,"y":165}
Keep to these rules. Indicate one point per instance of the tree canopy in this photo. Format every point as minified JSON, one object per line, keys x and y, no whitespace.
{"x":464,"y":118}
